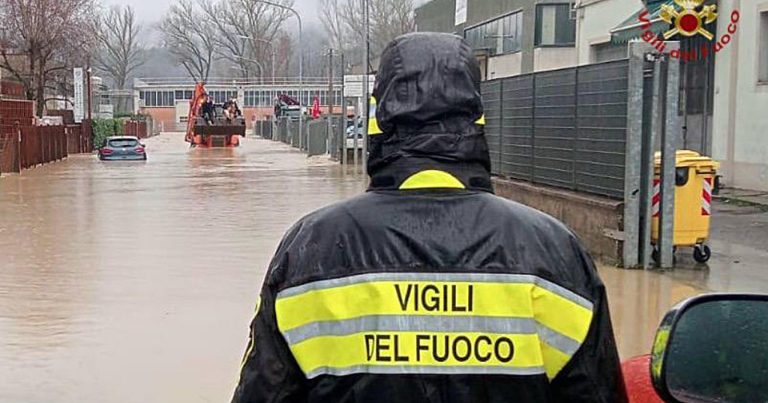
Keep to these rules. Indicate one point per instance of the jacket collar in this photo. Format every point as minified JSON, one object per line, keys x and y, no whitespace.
{"x":419,"y":174}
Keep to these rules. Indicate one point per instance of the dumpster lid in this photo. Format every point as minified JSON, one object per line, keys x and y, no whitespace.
{"x":688,"y":158}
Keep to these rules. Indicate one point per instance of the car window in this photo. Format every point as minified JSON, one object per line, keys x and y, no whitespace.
{"x":123,"y":143}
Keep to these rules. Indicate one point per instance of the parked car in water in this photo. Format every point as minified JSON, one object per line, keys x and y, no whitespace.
{"x":122,"y":148}
{"x":354,"y":129}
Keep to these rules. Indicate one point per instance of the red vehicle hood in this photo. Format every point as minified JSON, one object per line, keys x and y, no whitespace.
{"x":637,"y":378}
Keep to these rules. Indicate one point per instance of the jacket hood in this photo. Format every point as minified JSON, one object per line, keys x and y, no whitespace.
{"x":428,"y":100}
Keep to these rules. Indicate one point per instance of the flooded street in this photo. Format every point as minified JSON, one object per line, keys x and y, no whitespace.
{"x":136,"y":282}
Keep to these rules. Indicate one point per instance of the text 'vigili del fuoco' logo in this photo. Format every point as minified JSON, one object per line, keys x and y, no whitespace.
{"x":688,"y":18}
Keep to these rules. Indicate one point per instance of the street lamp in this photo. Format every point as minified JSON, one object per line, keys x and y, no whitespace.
{"x":272,"y":48}
{"x":261,"y":67}
{"x":301,"y":59}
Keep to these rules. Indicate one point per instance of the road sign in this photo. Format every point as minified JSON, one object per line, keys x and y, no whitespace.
{"x":353,"y":85}
{"x":79,"y":100}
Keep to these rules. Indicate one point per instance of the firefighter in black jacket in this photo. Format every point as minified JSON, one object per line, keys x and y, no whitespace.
{"x":428,"y":288}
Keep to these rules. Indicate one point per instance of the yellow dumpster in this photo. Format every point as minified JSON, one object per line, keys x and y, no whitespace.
{"x":694,"y":180}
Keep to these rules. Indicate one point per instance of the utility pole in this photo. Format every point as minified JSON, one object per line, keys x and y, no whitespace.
{"x":330,"y":99}
{"x":366,"y":95}
{"x":343,"y":124}
{"x":90,"y":89}
{"x":301,"y":58}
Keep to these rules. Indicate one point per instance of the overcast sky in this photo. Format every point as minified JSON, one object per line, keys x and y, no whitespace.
{"x":150,"y":11}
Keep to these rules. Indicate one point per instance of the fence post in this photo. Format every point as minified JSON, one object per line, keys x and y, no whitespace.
{"x":633,"y":165}
{"x":670,"y":136}
{"x":575,"y":148}
{"x":533,"y":128}
{"x":19,"y":163}
{"x":501,"y":127}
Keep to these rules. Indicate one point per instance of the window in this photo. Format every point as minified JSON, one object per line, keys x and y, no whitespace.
{"x":123,"y":143}
{"x":554,"y":26}
{"x":499,"y":36}
{"x":250,"y":99}
{"x":763,"y":46}
{"x":220,"y":97}
{"x":157,"y":98}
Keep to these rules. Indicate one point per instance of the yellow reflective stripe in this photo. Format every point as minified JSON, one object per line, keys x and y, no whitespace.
{"x":416,"y":352}
{"x":373,"y":124}
{"x":432,"y":179}
{"x":481,"y":121}
{"x":560,"y":314}
{"x":523,"y":305}
{"x":382,"y":298}
{"x":554,"y":360}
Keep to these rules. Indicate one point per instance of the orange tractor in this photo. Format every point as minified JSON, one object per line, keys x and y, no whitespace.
{"x":214,"y":130}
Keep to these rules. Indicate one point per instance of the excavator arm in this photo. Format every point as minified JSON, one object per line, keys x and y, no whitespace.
{"x":194,"y":110}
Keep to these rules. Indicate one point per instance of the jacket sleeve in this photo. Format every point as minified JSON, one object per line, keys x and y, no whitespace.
{"x":594,"y":373}
{"x":269,"y":373}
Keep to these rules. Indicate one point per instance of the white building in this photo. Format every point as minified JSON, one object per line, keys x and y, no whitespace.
{"x":740,"y":121}
{"x":725,"y":98}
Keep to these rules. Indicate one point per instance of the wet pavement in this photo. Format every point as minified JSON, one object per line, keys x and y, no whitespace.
{"x":136,"y":282}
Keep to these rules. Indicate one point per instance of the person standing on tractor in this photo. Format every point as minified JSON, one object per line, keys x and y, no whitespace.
{"x":207,"y":110}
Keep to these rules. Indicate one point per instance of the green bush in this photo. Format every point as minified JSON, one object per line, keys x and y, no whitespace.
{"x":103,"y":128}
{"x":133,"y":117}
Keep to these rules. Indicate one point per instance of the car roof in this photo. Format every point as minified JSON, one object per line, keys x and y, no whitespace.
{"x":122,"y":138}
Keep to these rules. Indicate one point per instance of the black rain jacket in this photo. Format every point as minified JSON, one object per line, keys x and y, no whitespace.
{"x":429,"y":288}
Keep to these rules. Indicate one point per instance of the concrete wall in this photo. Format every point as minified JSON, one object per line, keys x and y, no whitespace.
{"x":553,"y":58}
{"x":437,"y":16}
{"x":505,"y":65}
{"x":595,"y":20}
{"x":740,"y":121}
{"x":590,"y":217}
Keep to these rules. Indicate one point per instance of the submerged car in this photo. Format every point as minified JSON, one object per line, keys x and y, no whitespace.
{"x":122,"y":148}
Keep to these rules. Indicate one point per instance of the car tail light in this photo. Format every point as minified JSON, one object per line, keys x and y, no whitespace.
{"x":106,"y":151}
{"x":139,"y":149}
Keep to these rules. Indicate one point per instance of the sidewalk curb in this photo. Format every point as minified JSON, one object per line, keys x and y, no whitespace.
{"x":741,"y":201}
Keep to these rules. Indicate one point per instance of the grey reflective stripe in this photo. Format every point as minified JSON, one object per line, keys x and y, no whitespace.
{"x":440,"y":277}
{"x":426,"y":370}
{"x":411,"y":323}
{"x":559,"y":341}
{"x":423,"y":323}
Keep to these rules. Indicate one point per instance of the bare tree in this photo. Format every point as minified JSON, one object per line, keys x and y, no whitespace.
{"x":243,"y":27}
{"x":43,"y":40}
{"x":189,"y":34}
{"x":344,"y":22}
{"x":333,"y":19}
{"x":393,"y":18}
{"x":120,"y":52}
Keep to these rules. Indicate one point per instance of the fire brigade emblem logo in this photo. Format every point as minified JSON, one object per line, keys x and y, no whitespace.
{"x":686,"y":20}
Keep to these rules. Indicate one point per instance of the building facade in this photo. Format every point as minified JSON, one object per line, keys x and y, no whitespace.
{"x":167,"y":100}
{"x":510,"y":37}
{"x":723,"y":94}
{"x":740,"y":119}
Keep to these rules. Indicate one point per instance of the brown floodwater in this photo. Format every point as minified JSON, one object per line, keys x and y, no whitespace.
{"x":136,"y":282}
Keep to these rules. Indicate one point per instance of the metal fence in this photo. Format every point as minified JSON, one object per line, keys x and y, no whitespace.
{"x":564,"y":128}
{"x":318,"y":137}
{"x":263,"y":129}
{"x":23,"y":147}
